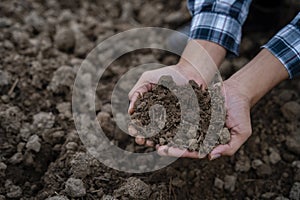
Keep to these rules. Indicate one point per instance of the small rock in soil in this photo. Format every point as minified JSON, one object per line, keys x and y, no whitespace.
{"x":295,"y":191}
{"x":105,"y":121}
{"x":281,"y":198}
{"x":134,"y":188}
{"x":82,"y":44}
{"x":16,"y":158}
{"x":108,"y":197}
{"x":35,"y":21}
{"x":11,"y":119}
{"x":291,"y":110}
{"x":43,"y":120}
{"x":256,"y":163}
{"x":64,"y":110}
{"x":229,"y":182}
{"x":243,"y":164}
{"x":80,"y":167}
{"x":4,"y":78}
{"x":286,"y":95}
{"x":219,"y":183}
{"x":12,"y":191}
{"x":5,"y":22}
{"x":274,"y":157}
{"x":65,"y":39}
{"x":63,"y":76}
{"x":34,"y":143}
{"x":3,"y":167}
{"x":59,"y":197}
{"x":268,"y":195}
{"x":107,"y":108}
{"x":264,"y":170}
{"x":75,"y":188}
{"x":293,"y":142}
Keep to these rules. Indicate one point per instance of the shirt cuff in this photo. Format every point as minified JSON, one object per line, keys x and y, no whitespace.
{"x":285,"y":45}
{"x":219,"y":28}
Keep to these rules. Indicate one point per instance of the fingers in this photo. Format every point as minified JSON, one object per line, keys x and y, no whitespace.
{"x":134,"y":94}
{"x":176,"y":152}
{"x":237,"y":140}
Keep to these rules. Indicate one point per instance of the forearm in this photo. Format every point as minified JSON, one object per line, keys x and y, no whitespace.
{"x":194,"y":49}
{"x":259,"y":76}
{"x":201,"y":59}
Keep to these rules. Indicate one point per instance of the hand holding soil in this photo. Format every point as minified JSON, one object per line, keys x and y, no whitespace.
{"x":174,"y":129}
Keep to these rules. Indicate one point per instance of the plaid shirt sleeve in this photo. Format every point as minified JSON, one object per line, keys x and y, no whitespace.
{"x":285,"y":45}
{"x":219,"y":21}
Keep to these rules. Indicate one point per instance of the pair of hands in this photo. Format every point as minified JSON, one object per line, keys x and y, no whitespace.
{"x":236,"y":103}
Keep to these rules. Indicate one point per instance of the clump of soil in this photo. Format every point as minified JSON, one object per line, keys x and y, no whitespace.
{"x":165,"y":119}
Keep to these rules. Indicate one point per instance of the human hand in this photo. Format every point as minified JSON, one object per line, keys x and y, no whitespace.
{"x":181,"y":74}
{"x":238,"y":120}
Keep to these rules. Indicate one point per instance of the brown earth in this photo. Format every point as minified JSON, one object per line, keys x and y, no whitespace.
{"x":42,"y":44}
{"x":169,"y":126}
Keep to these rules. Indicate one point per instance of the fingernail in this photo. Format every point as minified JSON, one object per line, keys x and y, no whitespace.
{"x":214,"y":156}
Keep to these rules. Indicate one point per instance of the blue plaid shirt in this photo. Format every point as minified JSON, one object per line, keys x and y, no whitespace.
{"x":221,"y":21}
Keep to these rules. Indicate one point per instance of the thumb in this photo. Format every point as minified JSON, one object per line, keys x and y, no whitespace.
{"x":230,"y":148}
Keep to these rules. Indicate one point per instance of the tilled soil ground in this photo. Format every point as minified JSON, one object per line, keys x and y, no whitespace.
{"x":42,"y":44}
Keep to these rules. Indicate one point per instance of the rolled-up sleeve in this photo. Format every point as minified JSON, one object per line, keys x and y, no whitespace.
{"x":285,"y":45}
{"x":219,"y":21}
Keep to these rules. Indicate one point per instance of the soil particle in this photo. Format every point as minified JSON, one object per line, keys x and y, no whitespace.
{"x":80,"y":167}
{"x":274,"y":157}
{"x":108,"y":197}
{"x":59,"y":197}
{"x":4,"y":78}
{"x":281,"y":198}
{"x":16,"y":158}
{"x":43,"y":120}
{"x":286,"y":95}
{"x":229,"y":182}
{"x":256,"y":163}
{"x":291,"y":110}
{"x":264,"y":170}
{"x":35,"y":21}
{"x":218,"y":183}
{"x":243,"y":164}
{"x":10,"y":119}
{"x":5,"y":22}
{"x":65,"y":39}
{"x":293,"y":142}
{"x":148,"y":13}
{"x":105,"y":121}
{"x":75,"y":187}
{"x":165,"y":117}
{"x":295,"y":191}
{"x":12,"y":191}
{"x":34,"y":143}
{"x":3,"y":167}
{"x":268,"y":195}
{"x":62,"y":77}
{"x":134,"y":188}
{"x":82,"y":43}
{"x":64,"y":110}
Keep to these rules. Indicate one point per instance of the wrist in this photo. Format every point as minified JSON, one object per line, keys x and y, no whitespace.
{"x":196,"y":49}
{"x":259,"y":76}
{"x":203,"y":58}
